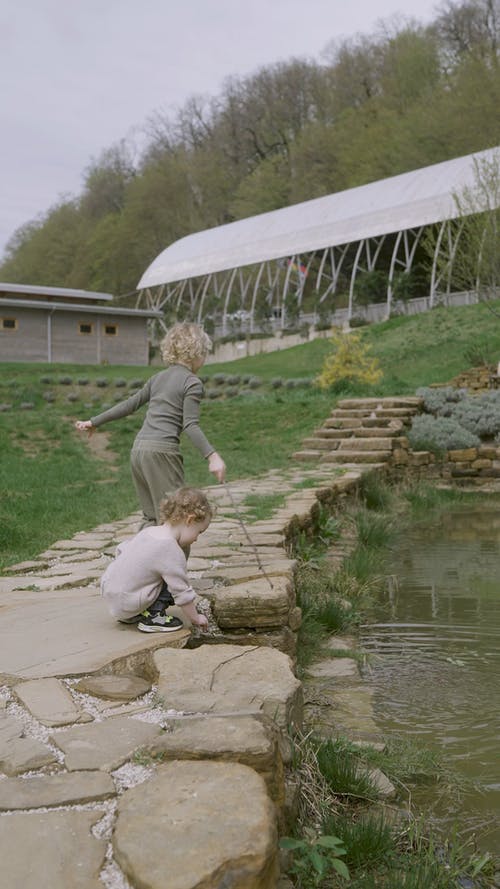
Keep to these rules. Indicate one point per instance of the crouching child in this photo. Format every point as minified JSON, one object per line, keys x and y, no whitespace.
{"x":149,"y":572}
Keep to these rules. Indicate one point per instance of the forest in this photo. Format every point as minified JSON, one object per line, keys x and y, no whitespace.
{"x":375,"y":105}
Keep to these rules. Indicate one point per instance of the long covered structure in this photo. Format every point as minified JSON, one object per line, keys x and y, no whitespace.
{"x":267,"y":265}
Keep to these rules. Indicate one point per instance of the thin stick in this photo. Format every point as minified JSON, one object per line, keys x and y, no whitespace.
{"x":247,"y":535}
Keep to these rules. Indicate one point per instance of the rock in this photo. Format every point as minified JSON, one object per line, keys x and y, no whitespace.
{"x":243,"y":739}
{"x":253,"y":604}
{"x":55,"y":790}
{"x":230,"y":679}
{"x":18,"y":754}
{"x":385,"y":788}
{"x":203,"y":823}
{"x":114,"y":688}
{"x":35,"y":642}
{"x":49,"y":701}
{"x":104,"y":745}
{"x":333,"y":668}
{"x":53,"y":849}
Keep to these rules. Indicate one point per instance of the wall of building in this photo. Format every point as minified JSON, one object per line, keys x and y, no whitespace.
{"x":28,"y":341}
{"x":41,"y":335}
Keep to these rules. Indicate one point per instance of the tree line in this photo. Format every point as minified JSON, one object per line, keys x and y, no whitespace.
{"x":404,"y":97}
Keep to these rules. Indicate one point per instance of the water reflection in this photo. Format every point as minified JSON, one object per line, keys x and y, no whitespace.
{"x":435,"y":662}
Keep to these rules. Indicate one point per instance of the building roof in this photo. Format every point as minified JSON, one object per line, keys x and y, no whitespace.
{"x":66,"y":292}
{"x":116,"y":311}
{"x":420,"y":197}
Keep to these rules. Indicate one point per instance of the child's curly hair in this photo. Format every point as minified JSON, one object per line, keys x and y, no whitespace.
{"x":185,"y":343}
{"x":184,"y":503}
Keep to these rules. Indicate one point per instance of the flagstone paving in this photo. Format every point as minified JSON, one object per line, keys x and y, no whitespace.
{"x":76,"y":700}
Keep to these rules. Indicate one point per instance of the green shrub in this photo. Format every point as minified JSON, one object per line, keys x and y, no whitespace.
{"x":45,"y":381}
{"x":219,"y":379}
{"x":276,"y":383}
{"x":480,"y":415}
{"x":232,"y":391}
{"x":73,"y":396}
{"x":136,"y":384}
{"x":101,"y":382}
{"x":441,"y":400}
{"x":255,"y":382}
{"x":233,"y":380}
{"x":65,"y":381}
{"x":49,"y":397}
{"x":120,"y":383}
{"x":83,"y":381}
{"x":439,"y":434}
{"x":366,"y":841}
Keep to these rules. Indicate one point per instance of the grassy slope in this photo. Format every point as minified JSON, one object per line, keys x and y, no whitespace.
{"x":52,"y":486}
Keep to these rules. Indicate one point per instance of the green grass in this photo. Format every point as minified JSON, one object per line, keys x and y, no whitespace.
{"x":262,"y":506}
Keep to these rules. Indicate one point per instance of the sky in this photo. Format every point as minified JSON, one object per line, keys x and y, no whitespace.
{"x":78,"y":76}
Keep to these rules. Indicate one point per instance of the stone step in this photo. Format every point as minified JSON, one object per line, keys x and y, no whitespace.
{"x":359,"y":432}
{"x":366,"y":444}
{"x":409,"y":401}
{"x":320,"y":444}
{"x":356,"y":457}
{"x":305,"y":456}
{"x":372,"y":413}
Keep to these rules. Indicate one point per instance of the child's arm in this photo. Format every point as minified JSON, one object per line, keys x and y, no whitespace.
{"x":122,"y":409}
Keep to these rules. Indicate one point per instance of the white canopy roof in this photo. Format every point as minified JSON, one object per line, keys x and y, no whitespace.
{"x":420,"y":197}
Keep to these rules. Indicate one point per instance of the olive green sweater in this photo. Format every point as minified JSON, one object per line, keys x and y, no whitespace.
{"x":173,"y":397}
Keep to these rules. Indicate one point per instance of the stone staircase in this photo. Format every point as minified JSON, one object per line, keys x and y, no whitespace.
{"x":362,"y":430}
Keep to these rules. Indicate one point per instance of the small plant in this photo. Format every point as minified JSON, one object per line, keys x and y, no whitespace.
{"x":373,"y":492}
{"x":366,"y":841}
{"x":135,"y":384}
{"x":49,"y":397}
{"x":350,"y":362}
{"x":73,"y":396}
{"x":276,"y":383}
{"x":65,"y":381}
{"x":255,"y":382}
{"x":373,"y":530}
{"x":343,"y":772}
{"x":45,"y":381}
{"x":440,"y":434}
{"x":314,"y":857}
{"x":233,"y":380}
{"x":101,"y":382}
{"x":120,"y":383}
{"x":219,"y":379}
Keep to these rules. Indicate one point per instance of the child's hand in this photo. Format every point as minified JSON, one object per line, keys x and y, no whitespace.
{"x":217,"y":466}
{"x":85,"y":426}
{"x":200,"y":621}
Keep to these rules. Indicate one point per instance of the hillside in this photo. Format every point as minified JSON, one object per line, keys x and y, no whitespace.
{"x":53,"y":484}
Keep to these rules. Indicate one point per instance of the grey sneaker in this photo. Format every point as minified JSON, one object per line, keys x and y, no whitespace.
{"x":159,"y":623}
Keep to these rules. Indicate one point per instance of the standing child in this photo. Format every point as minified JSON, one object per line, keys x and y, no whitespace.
{"x":173,"y":397}
{"x":149,"y":572}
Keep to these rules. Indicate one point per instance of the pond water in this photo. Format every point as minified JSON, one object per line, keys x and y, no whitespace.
{"x":434,"y":646}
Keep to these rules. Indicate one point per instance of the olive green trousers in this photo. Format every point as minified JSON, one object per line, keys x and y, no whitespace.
{"x":157,"y":470}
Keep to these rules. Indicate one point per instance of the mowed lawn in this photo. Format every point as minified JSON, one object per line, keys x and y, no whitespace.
{"x":52,"y":484}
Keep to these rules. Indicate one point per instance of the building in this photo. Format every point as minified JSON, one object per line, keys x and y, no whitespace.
{"x":319,"y":247}
{"x":57,"y":324}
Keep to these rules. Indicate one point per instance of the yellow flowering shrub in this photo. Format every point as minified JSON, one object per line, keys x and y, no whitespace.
{"x":350,"y":362}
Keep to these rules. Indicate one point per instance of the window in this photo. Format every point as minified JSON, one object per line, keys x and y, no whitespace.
{"x":86,"y":328}
{"x":110,"y":329}
{"x":9,"y":323}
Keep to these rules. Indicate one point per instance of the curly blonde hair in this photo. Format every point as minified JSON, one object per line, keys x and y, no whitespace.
{"x":185,"y":343}
{"x":185,"y":503}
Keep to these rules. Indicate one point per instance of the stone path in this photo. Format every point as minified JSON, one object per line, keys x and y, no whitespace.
{"x":116,"y":746}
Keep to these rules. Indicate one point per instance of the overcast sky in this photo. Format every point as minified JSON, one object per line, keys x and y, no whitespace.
{"x":79,"y":75}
